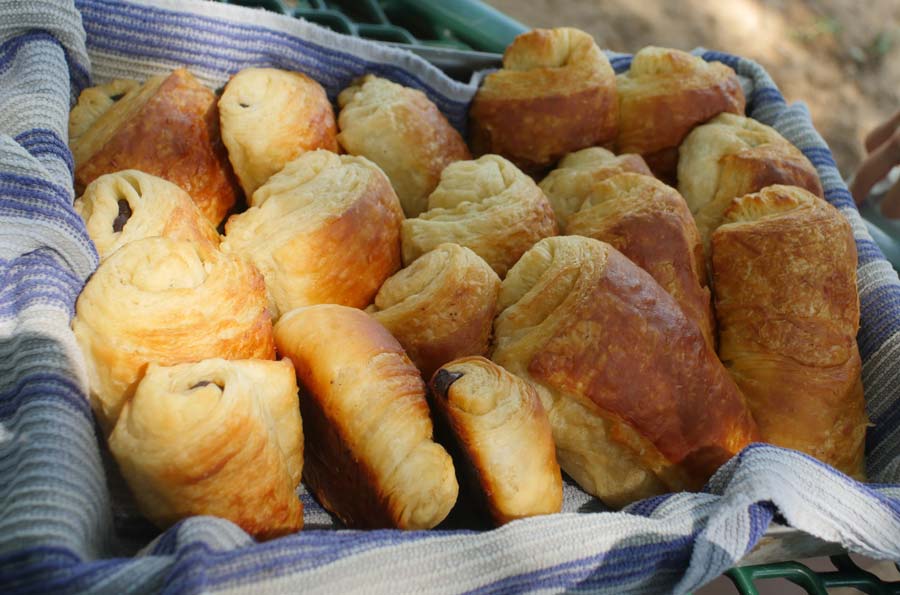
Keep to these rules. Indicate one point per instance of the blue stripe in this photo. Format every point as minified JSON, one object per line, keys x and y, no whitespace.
{"x":41,"y":141}
{"x":765,"y":95}
{"x":55,"y":387}
{"x":112,"y":26}
{"x":648,"y":506}
{"x":10,"y":48}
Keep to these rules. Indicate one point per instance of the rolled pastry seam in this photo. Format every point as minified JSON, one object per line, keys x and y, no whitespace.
{"x":784,"y":265}
{"x":268,"y":118}
{"x":159,"y":300}
{"x":440,"y":307}
{"x":216,"y":437}
{"x":502,"y":432}
{"x":567,"y":186}
{"x":487,"y":205}
{"x":650,"y":223}
{"x":555,"y":94}
{"x":325,"y":229}
{"x":663,"y":95}
{"x":168,"y":126}
{"x":638,"y":401}
{"x":731,"y":156}
{"x":401,"y":131}
{"x":130,"y":205}
{"x":370,"y":457}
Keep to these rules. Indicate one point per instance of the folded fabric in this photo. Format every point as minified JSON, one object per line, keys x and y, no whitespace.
{"x":56,"y":515}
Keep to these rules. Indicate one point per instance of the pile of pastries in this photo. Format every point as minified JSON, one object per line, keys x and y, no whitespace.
{"x":630,"y":283}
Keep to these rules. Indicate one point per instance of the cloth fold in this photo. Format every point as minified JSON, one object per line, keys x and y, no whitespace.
{"x":56,"y":527}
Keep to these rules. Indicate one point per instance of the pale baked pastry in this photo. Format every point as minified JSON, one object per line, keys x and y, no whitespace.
{"x":487,"y":205}
{"x":402,"y":132}
{"x":370,"y":457}
{"x":555,"y":94}
{"x":130,"y":205}
{"x":440,"y":307}
{"x":650,"y":223}
{"x":663,"y":96}
{"x":269,"y":117}
{"x":167,"y":127}
{"x":325,"y":229}
{"x":166,"y":301}
{"x":215,"y":437}
{"x":503,"y":438}
{"x":731,"y":156}
{"x":638,"y":401}
{"x":784,"y":270}
{"x":569,"y":184}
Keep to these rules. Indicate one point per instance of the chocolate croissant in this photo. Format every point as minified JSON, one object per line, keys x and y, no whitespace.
{"x":402,"y":132}
{"x":167,"y":127}
{"x":570,"y":183}
{"x":370,"y":457}
{"x":130,"y":205}
{"x":555,"y":94}
{"x":325,"y":229}
{"x":487,"y":205}
{"x":166,"y":301}
{"x":441,"y":307}
{"x":216,"y":437}
{"x":731,"y":156}
{"x":663,"y":96}
{"x":784,"y":270}
{"x":637,"y":399}
{"x":268,"y":118}
{"x":650,"y":223}
{"x":501,"y":430}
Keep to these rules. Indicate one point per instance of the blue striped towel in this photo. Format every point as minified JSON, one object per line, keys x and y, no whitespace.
{"x":56,"y":514}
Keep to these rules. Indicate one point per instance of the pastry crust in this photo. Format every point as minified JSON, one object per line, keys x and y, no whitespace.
{"x":167,"y":127}
{"x":402,"y":132}
{"x":503,"y":435}
{"x":269,"y":117}
{"x":784,"y":269}
{"x":130,"y":205}
{"x":166,"y":301}
{"x":370,"y":457}
{"x":216,"y":437}
{"x":571,"y":182}
{"x":325,"y":229}
{"x":663,"y":96}
{"x":555,"y":94}
{"x":731,"y":156}
{"x":487,"y":205}
{"x":650,"y":223}
{"x":441,"y":307}
{"x":638,"y":401}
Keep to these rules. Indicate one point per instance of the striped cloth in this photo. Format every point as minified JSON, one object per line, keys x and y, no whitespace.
{"x":57,"y":519}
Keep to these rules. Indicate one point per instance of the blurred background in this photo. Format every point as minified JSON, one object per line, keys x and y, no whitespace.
{"x":841,"y":57}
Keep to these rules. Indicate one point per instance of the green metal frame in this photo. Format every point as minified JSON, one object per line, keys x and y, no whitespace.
{"x":848,"y":574}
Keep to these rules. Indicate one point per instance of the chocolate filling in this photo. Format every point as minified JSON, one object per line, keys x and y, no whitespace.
{"x":123,"y":216}
{"x":203,"y":383}
{"x":441,"y":382}
{"x":117,"y":96}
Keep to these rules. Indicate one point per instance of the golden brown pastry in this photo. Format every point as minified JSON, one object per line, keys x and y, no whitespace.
{"x":569,"y":184}
{"x":663,"y":96}
{"x":731,"y":156}
{"x":130,"y":205}
{"x":555,"y":94}
{"x":440,"y":307}
{"x":215,"y":437}
{"x":269,"y":117}
{"x":650,"y":223}
{"x":325,"y":229}
{"x":167,"y":127}
{"x":370,"y":457}
{"x":784,"y":270}
{"x":487,"y":205}
{"x":166,"y":301}
{"x":402,"y":132}
{"x":503,"y":435}
{"x":638,"y":401}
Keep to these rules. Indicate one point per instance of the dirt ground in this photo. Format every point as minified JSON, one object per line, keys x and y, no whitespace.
{"x":841,"y":57}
